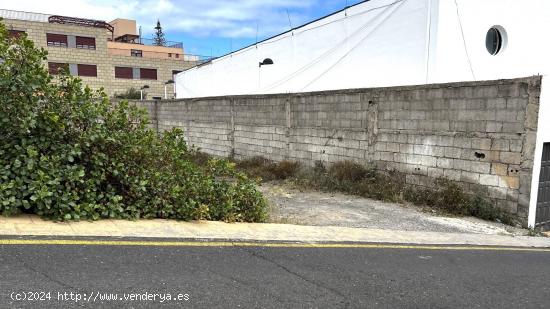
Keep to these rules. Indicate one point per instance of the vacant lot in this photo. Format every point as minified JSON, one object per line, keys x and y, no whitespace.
{"x":288,"y":205}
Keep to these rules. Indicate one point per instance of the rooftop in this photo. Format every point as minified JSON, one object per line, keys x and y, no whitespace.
{"x":20,"y":15}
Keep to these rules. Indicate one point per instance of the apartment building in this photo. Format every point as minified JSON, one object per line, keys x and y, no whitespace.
{"x":105,"y":55}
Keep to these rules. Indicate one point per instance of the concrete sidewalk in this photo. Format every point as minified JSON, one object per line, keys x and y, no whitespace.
{"x":28,"y":225}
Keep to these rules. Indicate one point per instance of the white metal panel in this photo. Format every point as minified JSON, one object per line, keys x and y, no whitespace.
{"x":376,"y":43}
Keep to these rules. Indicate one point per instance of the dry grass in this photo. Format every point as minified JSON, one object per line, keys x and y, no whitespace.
{"x":265,"y":169}
{"x":353,"y":178}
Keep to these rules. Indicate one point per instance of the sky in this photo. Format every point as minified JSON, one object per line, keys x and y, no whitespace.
{"x":206,"y":27}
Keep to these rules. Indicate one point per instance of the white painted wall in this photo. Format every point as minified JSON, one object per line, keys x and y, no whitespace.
{"x":526,"y":53}
{"x":391,"y":43}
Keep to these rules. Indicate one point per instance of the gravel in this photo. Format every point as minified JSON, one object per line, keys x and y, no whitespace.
{"x":291,"y":206}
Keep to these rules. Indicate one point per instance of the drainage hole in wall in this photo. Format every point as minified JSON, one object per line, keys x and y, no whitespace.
{"x":480,"y":155}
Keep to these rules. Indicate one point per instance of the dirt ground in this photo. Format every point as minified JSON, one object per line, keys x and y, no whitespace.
{"x":288,"y":205}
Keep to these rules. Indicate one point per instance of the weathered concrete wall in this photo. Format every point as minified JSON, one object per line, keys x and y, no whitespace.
{"x":481,"y":134}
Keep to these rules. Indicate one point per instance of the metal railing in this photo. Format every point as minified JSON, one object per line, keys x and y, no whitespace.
{"x":151,"y":42}
{"x":196,"y":59}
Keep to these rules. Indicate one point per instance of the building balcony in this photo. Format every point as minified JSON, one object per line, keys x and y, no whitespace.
{"x":135,"y":39}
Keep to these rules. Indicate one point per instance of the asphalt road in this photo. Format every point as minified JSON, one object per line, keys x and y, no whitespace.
{"x":271,"y":277}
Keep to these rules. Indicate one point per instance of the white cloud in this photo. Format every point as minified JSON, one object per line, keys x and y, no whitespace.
{"x":225,"y":18}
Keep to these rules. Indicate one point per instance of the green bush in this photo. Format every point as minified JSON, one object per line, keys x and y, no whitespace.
{"x":67,"y":153}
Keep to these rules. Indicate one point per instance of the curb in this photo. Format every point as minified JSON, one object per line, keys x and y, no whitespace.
{"x":167,"y":230}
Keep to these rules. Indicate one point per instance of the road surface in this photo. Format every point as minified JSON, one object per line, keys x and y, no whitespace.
{"x":146,"y":274}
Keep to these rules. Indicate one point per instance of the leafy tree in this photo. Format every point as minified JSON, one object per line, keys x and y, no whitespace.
{"x":67,"y":153}
{"x":158,"y":38}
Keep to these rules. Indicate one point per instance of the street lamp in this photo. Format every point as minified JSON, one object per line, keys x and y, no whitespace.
{"x":169,"y":82}
{"x":267,"y":61}
{"x":141,"y":91}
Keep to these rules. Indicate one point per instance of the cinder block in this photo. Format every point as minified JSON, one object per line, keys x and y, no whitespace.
{"x":481,"y":143}
{"x":516,"y":145}
{"x":480,"y":167}
{"x":508,"y":182}
{"x":501,"y":145}
{"x":462,"y":165}
{"x":462,"y":142}
{"x":393,"y":147}
{"x":435,"y":172}
{"x":469,"y":177}
{"x":489,"y":180}
{"x":510,"y":127}
{"x":510,"y":157}
{"x":498,"y":193}
{"x":453,"y":175}
{"x":453,"y":152}
{"x":444,"y":163}
{"x":494,"y":127}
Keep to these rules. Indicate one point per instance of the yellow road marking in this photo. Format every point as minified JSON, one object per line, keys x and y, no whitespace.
{"x":253,"y":244}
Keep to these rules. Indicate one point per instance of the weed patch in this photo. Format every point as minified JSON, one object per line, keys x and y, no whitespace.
{"x":352,"y":178}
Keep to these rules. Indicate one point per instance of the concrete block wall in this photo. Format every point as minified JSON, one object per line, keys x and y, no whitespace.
{"x":479,"y":134}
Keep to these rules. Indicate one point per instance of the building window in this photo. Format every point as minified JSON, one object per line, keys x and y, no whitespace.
{"x":136,"y":53}
{"x":85,"y":42}
{"x":56,"y":68}
{"x":131,"y":73}
{"x":170,"y":55}
{"x":59,"y":40}
{"x":177,"y":55}
{"x":496,"y":40}
{"x":124,"y":72}
{"x":15,"y":34}
{"x":148,"y":74}
{"x":89,"y":70}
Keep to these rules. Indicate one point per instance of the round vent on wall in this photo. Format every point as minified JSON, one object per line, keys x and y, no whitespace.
{"x":496,"y":40}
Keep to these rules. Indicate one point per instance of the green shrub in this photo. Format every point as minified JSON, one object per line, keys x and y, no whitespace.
{"x":67,"y":153}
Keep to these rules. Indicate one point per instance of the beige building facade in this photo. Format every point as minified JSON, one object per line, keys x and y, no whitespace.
{"x":114,"y":60}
